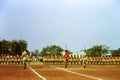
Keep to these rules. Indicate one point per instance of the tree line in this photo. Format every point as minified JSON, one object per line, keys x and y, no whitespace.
{"x":95,"y":51}
{"x":13,"y":47}
{"x":102,"y":50}
{"x":17,"y":46}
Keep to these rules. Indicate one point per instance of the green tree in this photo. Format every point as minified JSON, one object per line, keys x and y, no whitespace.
{"x":17,"y":46}
{"x":51,"y":50}
{"x":97,"y":50}
{"x":36,"y":52}
{"x":4,"y":47}
{"x":22,"y":44}
{"x":12,"y":47}
{"x":115,"y":52}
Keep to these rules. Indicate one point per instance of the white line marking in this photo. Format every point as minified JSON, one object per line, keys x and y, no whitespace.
{"x":36,"y":73}
{"x":77,"y":73}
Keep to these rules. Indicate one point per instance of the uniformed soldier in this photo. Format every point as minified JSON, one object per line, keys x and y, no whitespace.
{"x":24,"y":56}
{"x":66,"y":56}
{"x":84,"y":58}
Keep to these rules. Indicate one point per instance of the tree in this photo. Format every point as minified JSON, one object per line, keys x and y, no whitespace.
{"x":51,"y":50}
{"x":97,"y":50}
{"x":115,"y":52}
{"x":17,"y":46}
{"x":12,"y":47}
{"x":105,"y":50}
{"x":4,"y":47}
{"x":36,"y":52}
{"x":23,"y":44}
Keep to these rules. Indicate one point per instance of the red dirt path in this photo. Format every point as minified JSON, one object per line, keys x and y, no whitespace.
{"x":14,"y":72}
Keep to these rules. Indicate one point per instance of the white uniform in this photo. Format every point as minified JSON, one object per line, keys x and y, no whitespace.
{"x":84,"y":58}
{"x":24,"y":54}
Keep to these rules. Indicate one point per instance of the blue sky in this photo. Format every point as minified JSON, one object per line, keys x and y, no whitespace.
{"x":77,"y":23}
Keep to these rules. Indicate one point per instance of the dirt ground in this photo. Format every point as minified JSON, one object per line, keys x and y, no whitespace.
{"x":14,"y":72}
{"x":58,"y":72}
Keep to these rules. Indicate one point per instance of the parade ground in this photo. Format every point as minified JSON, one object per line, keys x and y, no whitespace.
{"x":36,"y":71}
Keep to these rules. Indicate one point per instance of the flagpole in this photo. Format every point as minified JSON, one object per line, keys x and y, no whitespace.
{"x":66,"y":46}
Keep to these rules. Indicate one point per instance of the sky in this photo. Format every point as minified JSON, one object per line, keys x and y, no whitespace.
{"x":78,"y":24}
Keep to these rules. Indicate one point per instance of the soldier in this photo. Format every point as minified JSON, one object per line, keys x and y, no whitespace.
{"x":66,"y":56}
{"x":84,"y":58}
{"x":24,"y":56}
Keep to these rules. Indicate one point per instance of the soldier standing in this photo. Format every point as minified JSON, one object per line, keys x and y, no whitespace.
{"x":84,"y":58}
{"x":24,"y":56}
{"x":66,"y":56}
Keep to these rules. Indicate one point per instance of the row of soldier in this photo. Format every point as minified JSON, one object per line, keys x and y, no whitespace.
{"x":12,"y":59}
{"x":73,"y":59}
{"x":77,"y":59}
